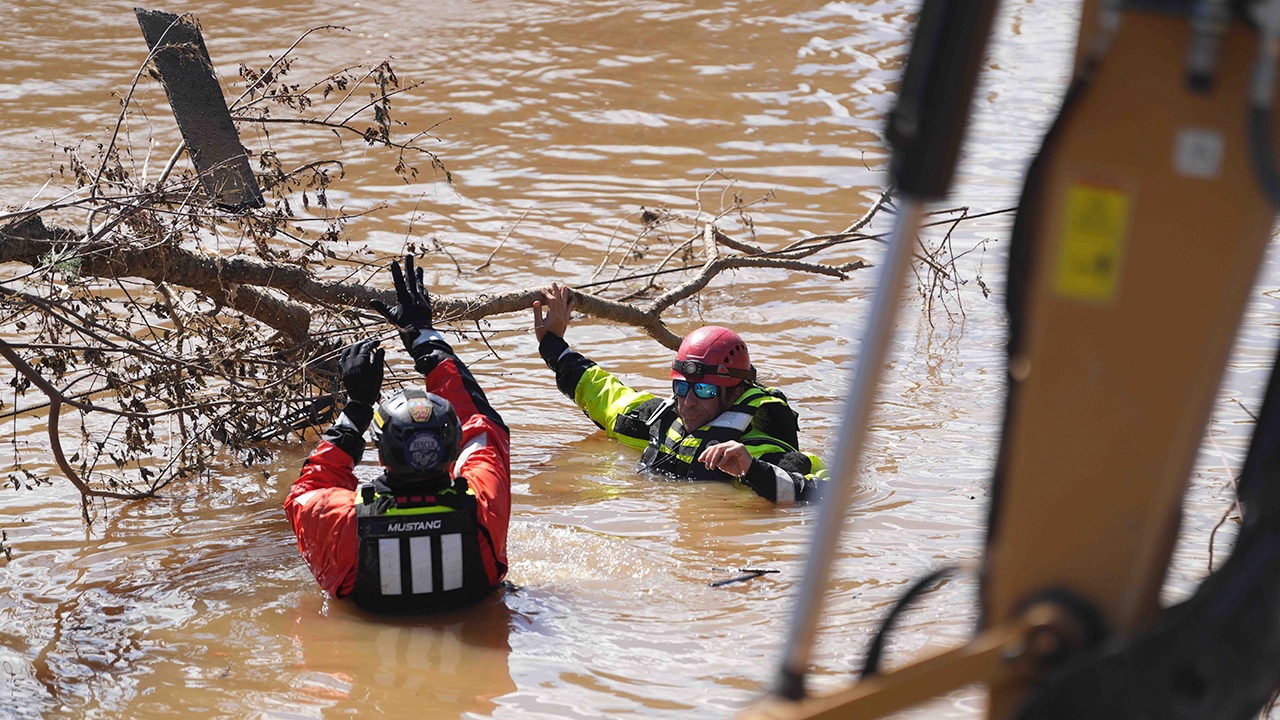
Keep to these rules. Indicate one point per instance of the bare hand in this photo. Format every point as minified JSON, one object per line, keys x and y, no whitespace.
{"x":730,"y":457}
{"x":559,"y":303}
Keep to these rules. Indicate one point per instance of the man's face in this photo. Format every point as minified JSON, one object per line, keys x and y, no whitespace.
{"x":695,"y":412}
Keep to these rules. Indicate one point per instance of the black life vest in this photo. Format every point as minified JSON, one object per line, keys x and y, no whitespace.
{"x":418,"y":554}
{"x":673,"y":450}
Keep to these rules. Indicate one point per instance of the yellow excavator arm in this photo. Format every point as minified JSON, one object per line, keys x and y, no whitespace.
{"x":1160,"y":160}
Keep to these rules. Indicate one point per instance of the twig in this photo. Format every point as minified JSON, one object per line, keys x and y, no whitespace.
{"x":267,"y":73}
{"x":503,"y":241}
{"x":55,"y":440}
{"x":1235,"y":506}
{"x":744,"y":575}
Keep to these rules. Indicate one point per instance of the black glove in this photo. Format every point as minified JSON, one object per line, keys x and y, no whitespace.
{"x":361,"y":368}
{"x":412,"y":312}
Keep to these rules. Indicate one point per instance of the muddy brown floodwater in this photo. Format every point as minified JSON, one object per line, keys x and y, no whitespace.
{"x":559,"y":119}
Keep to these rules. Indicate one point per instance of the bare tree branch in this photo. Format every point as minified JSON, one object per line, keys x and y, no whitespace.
{"x":161,"y":339}
{"x":55,"y":439}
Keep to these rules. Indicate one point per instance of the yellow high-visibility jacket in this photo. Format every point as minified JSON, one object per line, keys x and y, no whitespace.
{"x":761,"y":420}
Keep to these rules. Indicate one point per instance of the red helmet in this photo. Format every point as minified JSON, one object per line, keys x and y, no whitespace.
{"x":715,"y":355}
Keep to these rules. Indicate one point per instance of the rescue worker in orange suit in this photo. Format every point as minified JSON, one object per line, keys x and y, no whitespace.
{"x":718,"y":423}
{"x":431,"y":531}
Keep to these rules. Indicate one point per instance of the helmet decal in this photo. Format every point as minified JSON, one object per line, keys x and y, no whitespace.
{"x":423,"y":450}
{"x":419,"y":409}
{"x":418,"y":436}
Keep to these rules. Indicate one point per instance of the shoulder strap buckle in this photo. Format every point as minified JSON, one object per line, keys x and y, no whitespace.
{"x":666,"y":405}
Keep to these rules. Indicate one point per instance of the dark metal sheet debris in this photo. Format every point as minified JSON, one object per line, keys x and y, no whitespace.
{"x":186,"y":72}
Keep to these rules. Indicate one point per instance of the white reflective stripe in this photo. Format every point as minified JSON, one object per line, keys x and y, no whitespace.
{"x":474,"y":444}
{"x":389,"y":565}
{"x":304,"y":498}
{"x":451,"y":560}
{"x":564,"y":352}
{"x":420,"y":564}
{"x":427,"y":334}
{"x":786,"y":492}
{"x":344,"y":421}
{"x":733,"y":419}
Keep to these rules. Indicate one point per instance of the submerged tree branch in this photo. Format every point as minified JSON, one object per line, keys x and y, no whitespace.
{"x":176,"y":323}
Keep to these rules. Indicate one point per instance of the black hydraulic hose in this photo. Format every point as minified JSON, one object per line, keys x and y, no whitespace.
{"x":871,"y":665}
{"x":1261,"y":91}
{"x":1023,"y":251}
{"x":1259,"y":484}
{"x":927,"y":124}
{"x":1262,"y":154}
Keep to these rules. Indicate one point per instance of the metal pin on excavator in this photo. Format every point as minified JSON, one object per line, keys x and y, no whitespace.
{"x":1161,"y":158}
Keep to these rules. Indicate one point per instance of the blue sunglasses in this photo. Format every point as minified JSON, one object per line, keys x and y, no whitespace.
{"x":706,"y":391}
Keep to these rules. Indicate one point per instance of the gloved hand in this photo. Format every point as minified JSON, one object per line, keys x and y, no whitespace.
{"x":361,"y":368}
{"x":412,"y":312}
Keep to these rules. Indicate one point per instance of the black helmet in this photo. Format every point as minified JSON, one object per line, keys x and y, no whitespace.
{"x":418,"y":436}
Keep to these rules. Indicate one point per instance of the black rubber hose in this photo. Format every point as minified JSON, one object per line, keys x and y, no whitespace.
{"x":871,"y":665}
{"x":1262,"y":155}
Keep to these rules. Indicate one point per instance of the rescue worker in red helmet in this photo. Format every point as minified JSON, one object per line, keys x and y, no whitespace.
{"x":431,"y":531}
{"x":718,"y":423}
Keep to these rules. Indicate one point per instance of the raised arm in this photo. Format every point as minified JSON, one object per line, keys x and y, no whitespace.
{"x":320,"y":500}
{"x":559,"y":303}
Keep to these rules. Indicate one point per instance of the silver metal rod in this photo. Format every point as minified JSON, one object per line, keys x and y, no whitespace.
{"x":857,"y":411}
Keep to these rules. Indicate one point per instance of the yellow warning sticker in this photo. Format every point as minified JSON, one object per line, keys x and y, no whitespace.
{"x":1093,"y":234}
